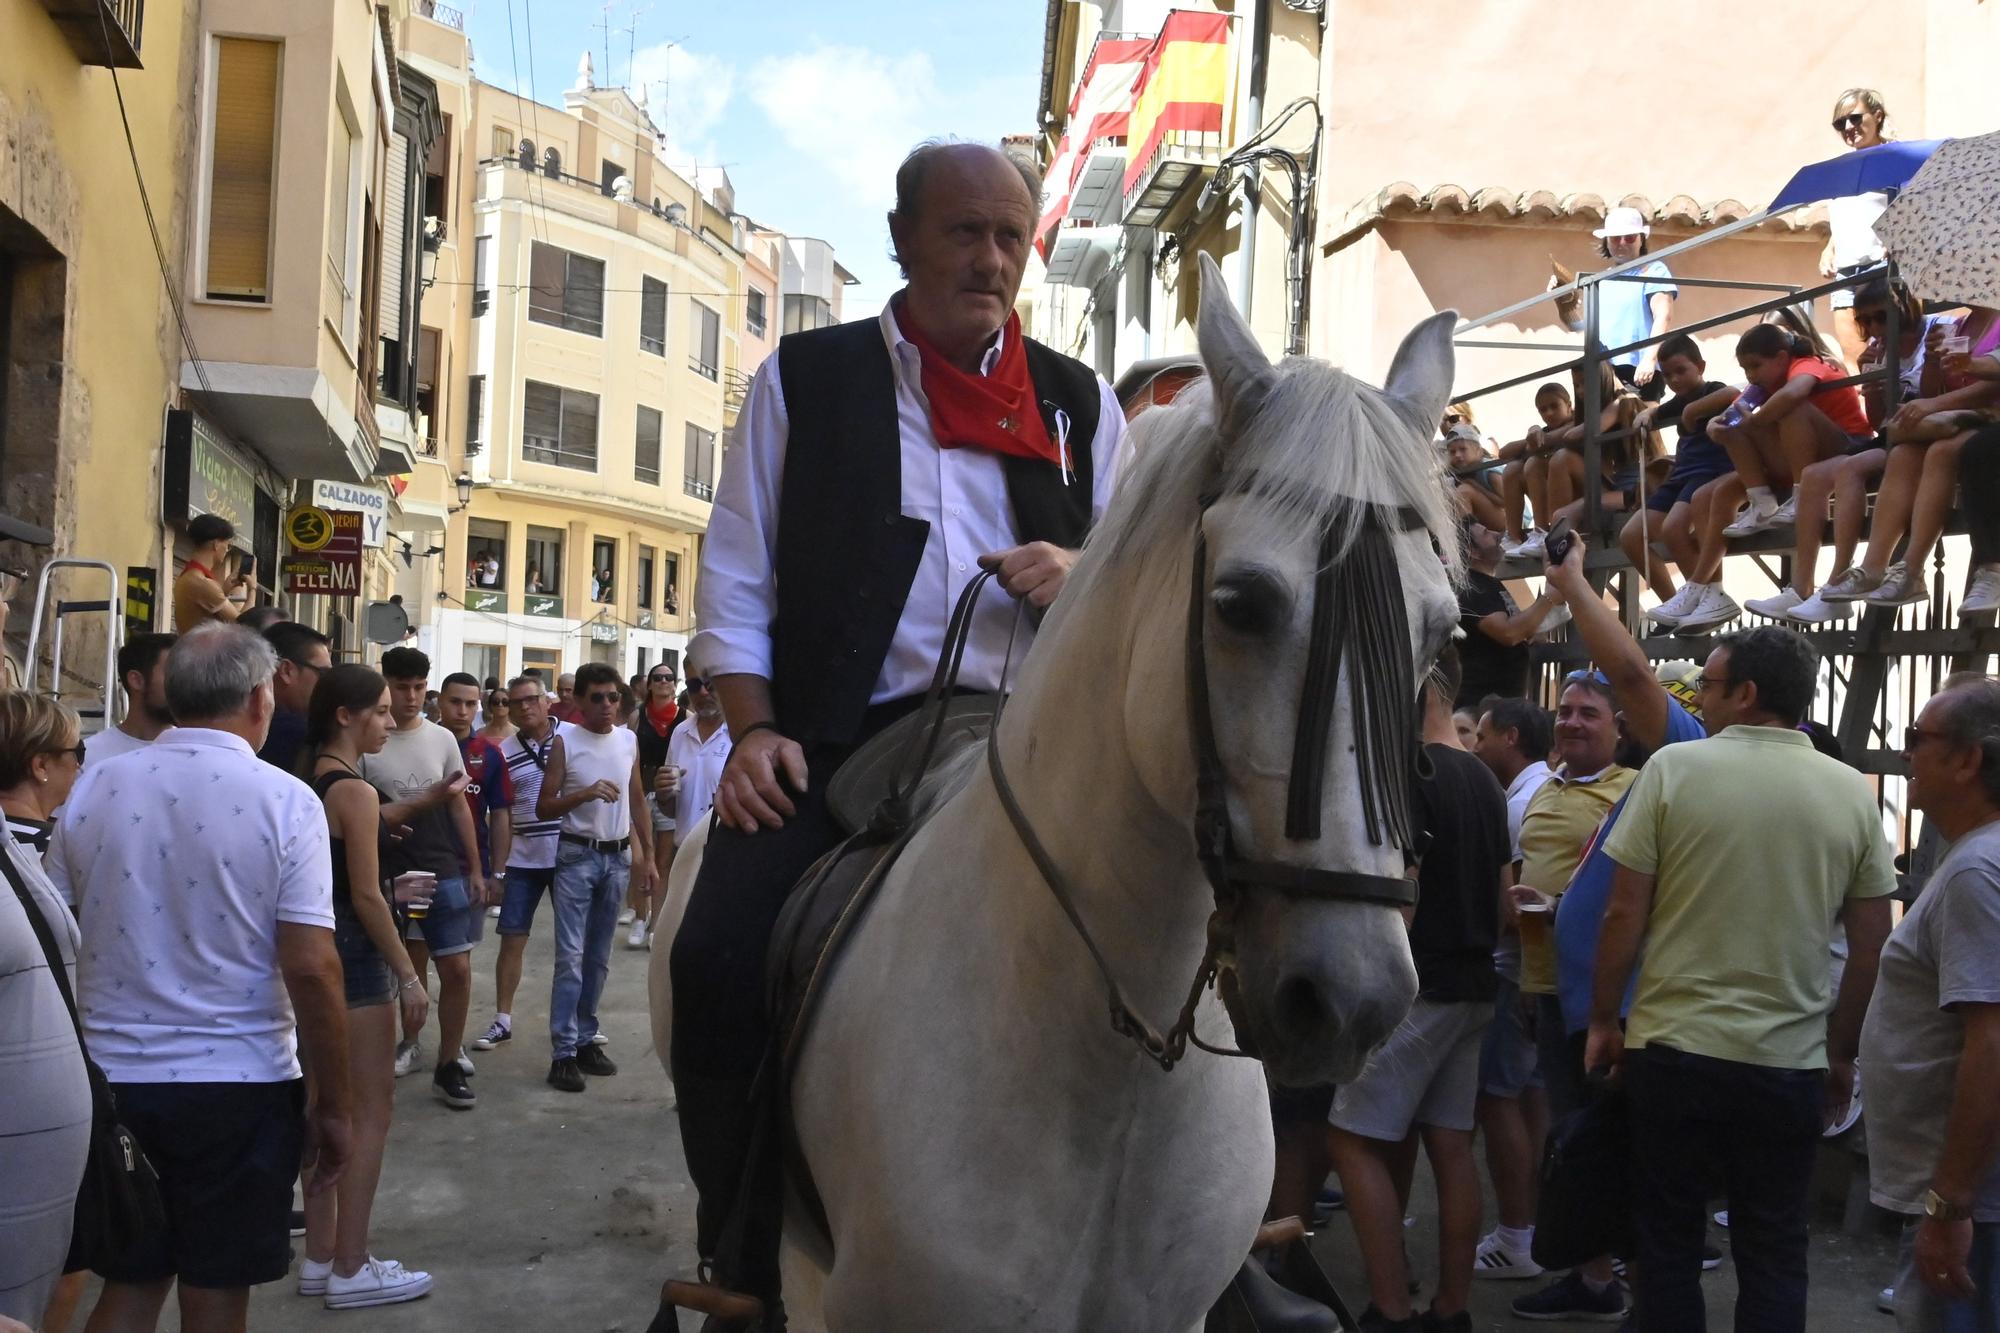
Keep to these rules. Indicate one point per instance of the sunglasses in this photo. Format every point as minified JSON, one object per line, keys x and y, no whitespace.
{"x":1590,"y":674}
{"x":1915,"y":736}
{"x":657,"y":679}
{"x":601,"y":697}
{"x":697,"y":684}
{"x":1842,"y":124}
{"x":76,"y":750}
{"x":522,"y":701}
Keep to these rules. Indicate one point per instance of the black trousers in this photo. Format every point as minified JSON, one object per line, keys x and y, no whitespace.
{"x":721,"y":1027}
{"x":1700,"y":1122}
{"x":1979,"y":493}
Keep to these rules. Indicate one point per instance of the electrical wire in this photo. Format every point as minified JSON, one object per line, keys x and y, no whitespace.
{"x":152,"y":224}
{"x":515,"y":52}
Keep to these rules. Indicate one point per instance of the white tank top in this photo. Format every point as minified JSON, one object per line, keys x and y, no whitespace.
{"x":589,"y":757}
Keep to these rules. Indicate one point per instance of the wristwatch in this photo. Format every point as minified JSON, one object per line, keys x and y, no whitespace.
{"x":1943,"y":1209}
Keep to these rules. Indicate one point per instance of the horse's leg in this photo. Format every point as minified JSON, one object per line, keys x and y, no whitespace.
{"x":673,"y":906}
{"x":805,"y":1287}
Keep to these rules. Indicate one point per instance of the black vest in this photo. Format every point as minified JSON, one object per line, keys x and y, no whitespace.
{"x":847,"y":555}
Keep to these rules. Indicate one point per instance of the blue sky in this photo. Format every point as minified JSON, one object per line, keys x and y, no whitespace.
{"x":809,"y":110}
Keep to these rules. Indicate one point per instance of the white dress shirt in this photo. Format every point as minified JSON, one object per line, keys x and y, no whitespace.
{"x":701,"y":762}
{"x":184,"y":858}
{"x":961,"y":493}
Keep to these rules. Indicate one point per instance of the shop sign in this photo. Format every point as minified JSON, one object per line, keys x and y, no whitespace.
{"x":485,"y":599}
{"x":203,"y":476}
{"x":371,"y":502}
{"x":603,"y":633}
{"x":325,"y":551}
{"x":141,"y":587}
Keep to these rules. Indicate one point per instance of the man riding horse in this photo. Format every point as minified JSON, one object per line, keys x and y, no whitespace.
{"x":880,"y":465}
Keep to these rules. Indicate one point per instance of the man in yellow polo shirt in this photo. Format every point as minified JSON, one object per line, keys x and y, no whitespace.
{"x":1736,"y":858}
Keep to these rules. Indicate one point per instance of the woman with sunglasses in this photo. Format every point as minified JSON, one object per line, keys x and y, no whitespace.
{"x":658,"y":715}
{"x":45,"y":1116}
{"x":1861,"y":121}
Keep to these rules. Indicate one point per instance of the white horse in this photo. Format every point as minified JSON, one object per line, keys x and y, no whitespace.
{"x":991,"y":1155}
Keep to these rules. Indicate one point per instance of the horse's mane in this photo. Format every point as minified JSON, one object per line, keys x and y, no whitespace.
{"x":1319,"y":427}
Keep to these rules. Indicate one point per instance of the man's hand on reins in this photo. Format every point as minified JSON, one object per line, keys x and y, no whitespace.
{"x":1034,"y":573}
{"x":750,"y":795}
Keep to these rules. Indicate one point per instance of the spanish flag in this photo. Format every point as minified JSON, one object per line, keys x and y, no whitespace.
{"x":1182,"y":86}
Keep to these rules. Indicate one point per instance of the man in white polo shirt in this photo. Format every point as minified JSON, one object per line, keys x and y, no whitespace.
{"x":592,"y":785}
{"x":685,"y":786}
{"x":206,"y":899}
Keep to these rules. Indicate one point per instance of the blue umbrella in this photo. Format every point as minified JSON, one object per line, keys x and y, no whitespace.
{"x":1886,"y":166}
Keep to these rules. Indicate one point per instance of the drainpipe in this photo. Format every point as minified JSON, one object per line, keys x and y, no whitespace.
{"x":1258,"y":40}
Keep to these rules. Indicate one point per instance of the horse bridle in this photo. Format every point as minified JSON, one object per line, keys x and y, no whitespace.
{"x":1368,"y":607}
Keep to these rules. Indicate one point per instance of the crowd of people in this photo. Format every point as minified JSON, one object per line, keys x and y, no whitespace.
{"x":1789,"y":442}
{"x":228,"y":908}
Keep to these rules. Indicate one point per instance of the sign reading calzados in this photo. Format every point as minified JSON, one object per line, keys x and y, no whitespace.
{"x":371,"y":502}
{"x":326,"y":551}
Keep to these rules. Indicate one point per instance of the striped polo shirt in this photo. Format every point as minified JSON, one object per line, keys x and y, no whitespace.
{"x":534,"y":846}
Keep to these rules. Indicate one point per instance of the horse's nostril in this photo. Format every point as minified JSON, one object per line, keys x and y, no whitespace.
{"x":1301,"y":1010}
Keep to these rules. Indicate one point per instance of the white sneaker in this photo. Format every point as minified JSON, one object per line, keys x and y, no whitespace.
{"x":1816,"y":610}
{"x":377,"y":1282}
{"x":1494,"y":1260}
{"x":1899,"y":588}
{"x":600,"y":1040}
{"x":464,"y":1062}
{"x":1754,"y":519}
{"x":626,"y":916}
{"x":1885,"y":1300}
{"x":1778,"y":605}
{"x":407,"y":1056}
{"x":313,"y":1276}
{"x":1983,"y":597}
{"x":1788,"y":512}
{"x":1722,"y":1219}
{"x":1717,"y":608}
{"x":636,"y":937}
{"x":1848,"y":585}
{"x":494,"y":911}
{"x":1557,"y":616}
{"x":1528,"y":547}
{"x":1669,"y":613}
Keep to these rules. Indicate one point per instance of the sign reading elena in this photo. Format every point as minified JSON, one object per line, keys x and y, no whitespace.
{"x":326,"y":551}
{"x":371,"y":502}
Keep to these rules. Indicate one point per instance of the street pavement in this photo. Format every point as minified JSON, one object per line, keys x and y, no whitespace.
{"x":549,"y":1210}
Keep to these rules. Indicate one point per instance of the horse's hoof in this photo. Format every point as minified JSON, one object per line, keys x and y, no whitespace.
{"x":732,"y":1308}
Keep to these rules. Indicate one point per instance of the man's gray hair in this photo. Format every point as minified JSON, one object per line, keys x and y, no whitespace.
{"x":1972,"y":718}
{"x":915,"y":171}
{"x":529,"y":679}
{"x":214,"y":669}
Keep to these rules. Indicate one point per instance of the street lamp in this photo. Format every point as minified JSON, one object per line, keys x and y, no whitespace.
{"x":464,"y":484}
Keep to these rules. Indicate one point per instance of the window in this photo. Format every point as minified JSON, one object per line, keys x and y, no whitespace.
{"x":482,"y":662}
{"x":707,"y":341}
{"x":608,"y":171}
{"x":647,"y":560}
{"x":545,"y":557}
{"x":753,"y":312}
{"x":340,"y":198}
{"x":566,"y":290}
{"x":482,"y":275}
{"x":653,"y":316}
{"x":603,"y":569}
{"x":700,"y":481}
{"x":475,"y":414}
{"x":670,"y":595}
{"x":552,"y":164}
{"x":527,"y":155}
{"x":806,"y":312}
{"x":486,"y":555}
{"x":503,"y":141}
{"x":437,"y":176}
{"x":543,"y":662}
{"x":646,"y":447}
{"x":559,"y":426}
{"x":242,"y":158}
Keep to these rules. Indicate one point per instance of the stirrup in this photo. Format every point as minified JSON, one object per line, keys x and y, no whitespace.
{"x":704,"y":1297}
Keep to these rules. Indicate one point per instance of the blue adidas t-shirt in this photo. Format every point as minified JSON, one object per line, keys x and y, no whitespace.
{"x":1580,"y":915}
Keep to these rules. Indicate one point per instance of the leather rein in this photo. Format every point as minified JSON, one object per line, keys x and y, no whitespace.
{"x":1376,"y":622}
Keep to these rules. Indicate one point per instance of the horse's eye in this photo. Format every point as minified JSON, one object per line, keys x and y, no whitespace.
{"x":1252,"y":601}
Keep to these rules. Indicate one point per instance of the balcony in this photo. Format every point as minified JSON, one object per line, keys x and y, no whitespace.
{"x":541,"y":604}
{"x":1080,"y":255}
{"x":437,"y":13}
{"x":700,"y":490}
{"x":101,"y":32}
{"x":1180,"y":161}
{"x":703,"y":369}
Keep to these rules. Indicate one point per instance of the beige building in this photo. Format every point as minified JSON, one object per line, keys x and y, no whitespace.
{"x":606,"y":301}
{"x":1444,"y":176}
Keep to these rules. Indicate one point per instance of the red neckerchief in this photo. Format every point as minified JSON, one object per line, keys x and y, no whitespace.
{"x":196,"y":564}
{"x":996,"y":412}
{"x":662,"y":719}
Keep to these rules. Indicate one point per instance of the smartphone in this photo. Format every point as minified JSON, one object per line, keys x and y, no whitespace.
{"x":1556,"y":545}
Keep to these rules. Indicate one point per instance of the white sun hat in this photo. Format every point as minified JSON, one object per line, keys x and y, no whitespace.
{"x":1623,"y":221}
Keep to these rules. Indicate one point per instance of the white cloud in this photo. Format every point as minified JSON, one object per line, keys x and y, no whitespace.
{"x":688,"y":95}
{"x":854,"y":111}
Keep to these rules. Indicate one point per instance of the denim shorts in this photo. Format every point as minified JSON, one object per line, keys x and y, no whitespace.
{"x":523,"y":894}
{"x":1698,"y":462}
{"x":366,"y":971}
{"x":1507,"y":1056}
{"x":447,"y":926}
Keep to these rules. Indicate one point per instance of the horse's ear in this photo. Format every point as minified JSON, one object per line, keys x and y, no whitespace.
{"x":1237,"y":367}
{"x":1420,"y":376}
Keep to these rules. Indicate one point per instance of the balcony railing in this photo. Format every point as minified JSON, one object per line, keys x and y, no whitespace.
{"x":703,"y":368}
{"x":101,"y":32}
{"x":445,"y":14}
{"x":700,"y":490}
{"x":1182,"y":158}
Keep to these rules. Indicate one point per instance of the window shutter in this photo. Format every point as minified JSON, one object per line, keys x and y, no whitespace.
{"x":583,"y":295}
{"x":395,"y":238}
{"x":541,"y":421}
{"x":241,"y":169}
{"x":646,"y":447}
{"x":653,"y":316}
{"x":579,"y":428}
{"x":546,"y":280}
{"x":475,"y":408}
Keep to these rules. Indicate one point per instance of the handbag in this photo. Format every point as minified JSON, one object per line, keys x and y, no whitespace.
{"x":119,"y":1199}
{"x":1586,"y":1198}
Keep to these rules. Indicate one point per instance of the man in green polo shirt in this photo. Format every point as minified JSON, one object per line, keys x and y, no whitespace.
{"x":1736,"y":858}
